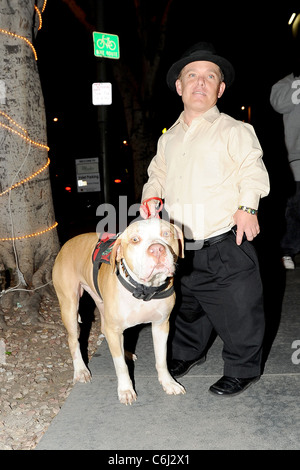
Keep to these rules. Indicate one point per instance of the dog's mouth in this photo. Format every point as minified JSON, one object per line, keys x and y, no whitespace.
{"x":158,"y":274}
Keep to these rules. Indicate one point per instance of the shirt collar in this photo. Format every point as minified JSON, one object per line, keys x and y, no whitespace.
{"x":211,"y":115}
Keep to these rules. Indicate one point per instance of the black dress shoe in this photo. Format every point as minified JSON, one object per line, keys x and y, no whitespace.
{"x":179,"y":367}
{"x":229,"y":386}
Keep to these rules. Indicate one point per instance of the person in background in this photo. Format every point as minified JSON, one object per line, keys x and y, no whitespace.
{"x":285,"y":99}
{"x":209,"y":170}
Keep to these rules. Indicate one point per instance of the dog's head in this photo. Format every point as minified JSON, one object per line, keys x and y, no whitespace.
{"x":150,"y":249}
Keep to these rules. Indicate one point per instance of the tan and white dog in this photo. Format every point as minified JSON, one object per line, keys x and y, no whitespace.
{"x":142,"y":260}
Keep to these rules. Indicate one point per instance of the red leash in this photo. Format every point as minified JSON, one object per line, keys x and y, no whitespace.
{"x":145,"y":203}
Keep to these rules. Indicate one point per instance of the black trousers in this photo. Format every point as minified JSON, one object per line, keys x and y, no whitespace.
{"x":220,"y":289}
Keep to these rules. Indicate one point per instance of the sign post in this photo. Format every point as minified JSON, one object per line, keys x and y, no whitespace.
{"x":105,"y":46}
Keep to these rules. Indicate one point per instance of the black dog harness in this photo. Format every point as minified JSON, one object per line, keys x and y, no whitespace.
{"x":101,"y":254}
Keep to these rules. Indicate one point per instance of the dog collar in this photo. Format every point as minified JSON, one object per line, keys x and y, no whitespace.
{"x":142,"y":292}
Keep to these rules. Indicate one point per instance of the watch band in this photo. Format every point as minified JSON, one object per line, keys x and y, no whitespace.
{"x":249,"y":210}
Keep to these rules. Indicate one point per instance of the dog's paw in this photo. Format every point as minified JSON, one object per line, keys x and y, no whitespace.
{"x":127,"y":396}
{"x":100,"y":339}
{"x":171,"y":387}
{"x":82,"y":375}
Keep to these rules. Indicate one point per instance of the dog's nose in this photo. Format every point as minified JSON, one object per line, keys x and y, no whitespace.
{"x":156,"y":249}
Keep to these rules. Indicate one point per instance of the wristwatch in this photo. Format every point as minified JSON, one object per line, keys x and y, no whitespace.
{"x":249,"y":210}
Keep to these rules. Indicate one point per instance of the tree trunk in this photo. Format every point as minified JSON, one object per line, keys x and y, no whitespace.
{"x":27,"y":208}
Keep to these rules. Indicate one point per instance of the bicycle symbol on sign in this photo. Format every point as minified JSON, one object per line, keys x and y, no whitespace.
{"x":105,"y":41}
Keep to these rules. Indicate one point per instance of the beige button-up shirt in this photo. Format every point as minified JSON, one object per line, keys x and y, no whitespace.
{"x":205,"y":171}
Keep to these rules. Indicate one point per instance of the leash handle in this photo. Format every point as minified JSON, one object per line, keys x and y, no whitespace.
{"x":145,"y":203}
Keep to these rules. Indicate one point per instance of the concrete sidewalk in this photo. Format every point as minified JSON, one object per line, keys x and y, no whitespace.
{"x":265,"y":417}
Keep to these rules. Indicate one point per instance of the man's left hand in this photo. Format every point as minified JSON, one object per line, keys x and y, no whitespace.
{"x":246,"y":224}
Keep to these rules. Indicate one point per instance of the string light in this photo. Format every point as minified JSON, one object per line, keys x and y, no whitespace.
{"x":292,"y":18}
{"x":25,"y":180}
{"x":39,"y":15}
{"x":24,"y":135}
{"x":44,"y":6}
{"x":35,"y":234}
{"x":14,"y":122}
{"x":14,"y":35}
{"x":22,"y":132}
{"x":9,"y":33}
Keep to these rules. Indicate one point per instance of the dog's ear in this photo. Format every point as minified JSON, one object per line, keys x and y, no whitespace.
{"x":179,"y":236}
{"x":116,"y":253}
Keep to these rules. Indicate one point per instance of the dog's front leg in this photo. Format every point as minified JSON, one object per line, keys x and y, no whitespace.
{"x":160,"y":334}
{"x":115,"y":341}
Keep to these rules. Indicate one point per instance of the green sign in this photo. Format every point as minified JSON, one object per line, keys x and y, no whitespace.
{"x":106,"y":45}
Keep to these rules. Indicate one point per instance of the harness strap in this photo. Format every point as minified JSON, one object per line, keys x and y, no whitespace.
{"x":101,"y":254}
{"x":96,"y":267}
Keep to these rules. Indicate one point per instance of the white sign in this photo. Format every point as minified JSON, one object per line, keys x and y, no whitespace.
{"x":88,"y":176}
{"x":102,"y":93}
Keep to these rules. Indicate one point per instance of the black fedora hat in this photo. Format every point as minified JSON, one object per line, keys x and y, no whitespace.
{"x":200,"y":51}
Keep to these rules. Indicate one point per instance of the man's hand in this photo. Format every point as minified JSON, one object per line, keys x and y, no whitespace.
{"x":151,"y":205}
{"x":246,"y":224}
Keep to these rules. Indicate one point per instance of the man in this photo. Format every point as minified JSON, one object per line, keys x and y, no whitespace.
{"x":285,"y":100}
{"x":209,"y":170}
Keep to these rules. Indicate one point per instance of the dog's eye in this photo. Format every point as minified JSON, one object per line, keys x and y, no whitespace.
{"x":135,"y":239}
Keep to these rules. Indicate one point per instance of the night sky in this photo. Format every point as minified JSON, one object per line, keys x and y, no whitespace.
{"x":257,"y":40}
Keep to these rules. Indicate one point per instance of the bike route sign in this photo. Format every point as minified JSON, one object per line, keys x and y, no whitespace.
{"x":106,"y":45}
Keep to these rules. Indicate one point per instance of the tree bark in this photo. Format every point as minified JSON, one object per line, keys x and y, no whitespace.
{"x":27,"y":208}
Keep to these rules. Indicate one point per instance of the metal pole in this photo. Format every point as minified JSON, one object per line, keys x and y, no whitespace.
{"x":102,"y":115}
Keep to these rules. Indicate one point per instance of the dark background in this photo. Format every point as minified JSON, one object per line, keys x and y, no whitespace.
{"x":255,"y":38}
